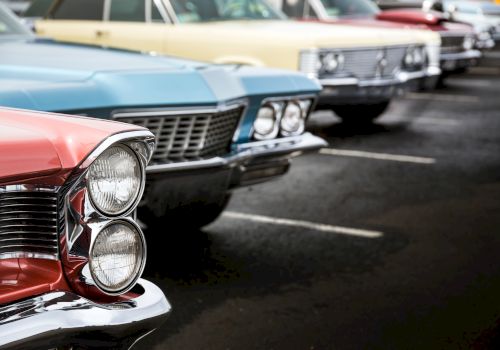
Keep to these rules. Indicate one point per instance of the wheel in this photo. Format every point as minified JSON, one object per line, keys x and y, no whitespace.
{"x":354,"y":114}
{"x":191,"y":217}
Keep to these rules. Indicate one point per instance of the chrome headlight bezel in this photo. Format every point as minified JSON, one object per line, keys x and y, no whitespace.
{"x":306,"y":105}
{"x":276,"y":110}
{"x":415,"y":58}
{"x":139,"y":268}
{"x":83,"y":222}
{"x":134,"y":197}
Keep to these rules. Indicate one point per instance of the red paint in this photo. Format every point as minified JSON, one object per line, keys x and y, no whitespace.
{"x":403,"y":19}
{"x":412,"y":17}
{"x":43,"y":148}
{"x":26,"y":278}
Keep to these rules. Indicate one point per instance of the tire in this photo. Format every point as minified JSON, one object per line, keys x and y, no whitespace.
{"x":190,"y":217}
{"x":361,"y":114}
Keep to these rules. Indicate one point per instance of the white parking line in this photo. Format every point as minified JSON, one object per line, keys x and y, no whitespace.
{"x":378,"y":156}
{"x":303,"y":224}
{"x":437,"y":121}
{"x":442,"y":97}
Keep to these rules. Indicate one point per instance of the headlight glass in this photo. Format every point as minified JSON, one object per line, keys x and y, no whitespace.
{"x":292,"y":122}
{"x":415,"y":58}
{"x":331,"y":62}
{"x":266,"y":123}
{"x":469,"y":43}
{"x":115,"y":180}
{"x":117,"y":257}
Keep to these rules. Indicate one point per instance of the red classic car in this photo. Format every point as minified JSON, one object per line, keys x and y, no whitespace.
{"x":459,"y":40}
{"x":71,"y":253}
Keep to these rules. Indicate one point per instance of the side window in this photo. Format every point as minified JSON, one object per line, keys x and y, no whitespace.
{"x":91,"y":10}
{"x":127,"y":11}
{"x":294,"y":8}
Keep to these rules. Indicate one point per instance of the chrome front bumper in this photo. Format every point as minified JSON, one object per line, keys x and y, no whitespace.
{"x":342,"y":91}
{"x":64,"y":318}
{"x":245,"y":154}
{"x":454,"y":61}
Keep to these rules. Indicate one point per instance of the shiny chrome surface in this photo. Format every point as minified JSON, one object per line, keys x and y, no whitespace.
{"x":452,"y":43}
{"x":29,"y":222}
{"x":187,"y":134}
{"x":362,"y":64}
{"x":285,"y":146}
{"x":83,"y":221}
{"x":65,"y":312}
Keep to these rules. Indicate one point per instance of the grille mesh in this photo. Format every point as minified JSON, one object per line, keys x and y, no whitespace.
{"x":29,"y":224}
{"x":188,"y":137}
{"x":363,"y":63}
{"x":452,"y":44}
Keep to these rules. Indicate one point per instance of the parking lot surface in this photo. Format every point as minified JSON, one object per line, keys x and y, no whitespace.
{"x":388,"y":239}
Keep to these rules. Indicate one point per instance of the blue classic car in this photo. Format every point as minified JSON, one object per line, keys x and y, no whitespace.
{"x":216,"y":127}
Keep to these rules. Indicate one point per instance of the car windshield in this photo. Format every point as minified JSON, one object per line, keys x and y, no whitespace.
{"x":350,"y":8}
{"x":9,"y":24}
{"x":191,"y":11}
{"x":491,"y":9}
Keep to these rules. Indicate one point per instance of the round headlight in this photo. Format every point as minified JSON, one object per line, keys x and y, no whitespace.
{"x":469,"y":43}
{"x":331,"y":62}
{"x":418,"y":57}
{"x":265,"y":125}
{"x":292,"y":122}
{"x":114,"y":180}
{"x":117,"y":257}
{"x":409,"y":59}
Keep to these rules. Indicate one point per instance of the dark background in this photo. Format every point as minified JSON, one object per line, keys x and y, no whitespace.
{"x":431,"y":281}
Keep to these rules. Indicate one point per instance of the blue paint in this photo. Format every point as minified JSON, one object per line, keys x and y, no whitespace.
{"x":49,"y":76}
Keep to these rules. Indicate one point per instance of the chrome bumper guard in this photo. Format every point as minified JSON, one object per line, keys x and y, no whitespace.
{"x":357,"y":91}
{"x":453,"y":61}
{"x":45,"y":319}
{"x":287,"y":147}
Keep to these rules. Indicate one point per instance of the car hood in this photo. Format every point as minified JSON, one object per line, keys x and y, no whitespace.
{"x":34,"y":145}
{"x":412,"y":16}
{"x":305,"y":35}
{"x":49,"y":76}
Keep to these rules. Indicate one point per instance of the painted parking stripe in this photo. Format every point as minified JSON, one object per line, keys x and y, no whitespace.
{"x":303,"y":224}
{"x":378,"y":156}
{"x":438,"y":121}
{"x":442,"y":97}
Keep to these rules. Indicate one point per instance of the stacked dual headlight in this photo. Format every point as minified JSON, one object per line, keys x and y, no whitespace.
{"x":281,"y":118}
{"x":415,"y":58}
{"x":115,"y":182}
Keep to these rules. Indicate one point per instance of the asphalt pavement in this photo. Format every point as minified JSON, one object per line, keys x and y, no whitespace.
{"x":388,"y":239}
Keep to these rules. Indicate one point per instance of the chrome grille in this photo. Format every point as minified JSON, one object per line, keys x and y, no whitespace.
{"x":29,"y":224}
{"x":363,"y":64}
{"x":187,"y":135}
{"x":452,"y":43}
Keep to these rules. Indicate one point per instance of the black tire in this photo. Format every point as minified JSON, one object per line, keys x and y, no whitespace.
{"x":361,"y":114}
{"x":190,"y":217}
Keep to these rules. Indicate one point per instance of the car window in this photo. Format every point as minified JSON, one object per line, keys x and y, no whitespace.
{"x":38,"y":8}
{"x":127,"y":10}
{"x":349,"y":8}
{"x":294,"y":8}
{"x":79,"y":9}
{"x":223,"y":10}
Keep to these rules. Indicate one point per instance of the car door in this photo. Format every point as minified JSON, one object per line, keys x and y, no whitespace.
{"x":134,"y":24}
{"x":75,"y":21}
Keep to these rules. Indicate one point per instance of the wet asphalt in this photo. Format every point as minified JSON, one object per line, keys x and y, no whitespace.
{"x":428,"y":276}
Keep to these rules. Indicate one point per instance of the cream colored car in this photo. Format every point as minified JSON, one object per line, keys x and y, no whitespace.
{"x":360,"y":69}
